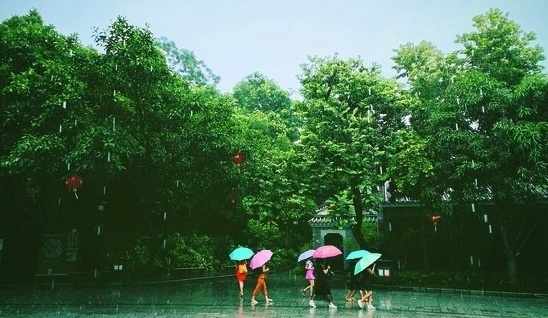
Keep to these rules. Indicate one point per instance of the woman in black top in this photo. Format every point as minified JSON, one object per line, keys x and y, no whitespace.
{"x":321,"y":286}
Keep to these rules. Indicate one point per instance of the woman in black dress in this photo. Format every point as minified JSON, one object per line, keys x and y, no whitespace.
{"x":321,"y":287}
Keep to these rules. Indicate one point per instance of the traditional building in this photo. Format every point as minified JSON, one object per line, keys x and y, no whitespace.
{"x":324,"y":232}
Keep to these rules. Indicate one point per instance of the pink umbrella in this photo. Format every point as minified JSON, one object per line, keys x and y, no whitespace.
{"x":260,"y":258}
{"x":326,"y":251}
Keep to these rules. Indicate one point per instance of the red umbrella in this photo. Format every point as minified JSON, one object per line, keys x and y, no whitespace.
{"x":326,"y":251}
{"x":260,"y":258}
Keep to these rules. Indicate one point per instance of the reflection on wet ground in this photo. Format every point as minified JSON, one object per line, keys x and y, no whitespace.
{"x":218,"y":297}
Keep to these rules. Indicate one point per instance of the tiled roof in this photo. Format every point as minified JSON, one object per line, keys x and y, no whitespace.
{"x":485,"y":195}
{"x":322,"y":217}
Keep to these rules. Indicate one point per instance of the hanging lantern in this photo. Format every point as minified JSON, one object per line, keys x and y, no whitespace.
{"x":238,"y":158}
{"x":74,"y":183}
{"x":435,"y":219}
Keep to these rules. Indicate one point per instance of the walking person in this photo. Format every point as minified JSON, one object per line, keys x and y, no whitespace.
{"x":360,"y":287}
{"x":309,"y":276}
{"x":241,"y":275}
{"x":367,"y":298}
{"x":322,"y":287}
{"x":351,"y":283}
{"x":261,"y":285}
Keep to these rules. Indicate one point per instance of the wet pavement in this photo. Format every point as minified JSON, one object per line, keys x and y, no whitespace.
{"x":218,"y":297}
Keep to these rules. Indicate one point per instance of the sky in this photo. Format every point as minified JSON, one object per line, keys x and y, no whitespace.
{"x":236,"y":38}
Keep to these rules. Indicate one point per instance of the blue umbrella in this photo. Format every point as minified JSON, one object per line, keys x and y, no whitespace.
{"x":357,"y":254}
{"x":366,"y":261}
{"x":305,"y":255}
{"x":241,"y":253}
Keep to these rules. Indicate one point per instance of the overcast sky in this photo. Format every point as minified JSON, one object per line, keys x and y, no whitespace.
{"x":238,"y":37}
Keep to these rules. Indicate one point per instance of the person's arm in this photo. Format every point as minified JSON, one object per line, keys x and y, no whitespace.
{"x":371,"y":270}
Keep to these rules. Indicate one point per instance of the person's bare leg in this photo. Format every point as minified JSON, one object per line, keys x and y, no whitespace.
{"x":241,"y":288}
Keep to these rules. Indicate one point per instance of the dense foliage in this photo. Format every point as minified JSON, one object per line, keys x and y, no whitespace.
{"x":141,"y":121}
{"x":481,"y":115}
{"x":350,"y":114}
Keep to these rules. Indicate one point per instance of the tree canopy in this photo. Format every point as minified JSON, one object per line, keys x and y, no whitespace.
{"x":481,"y":113}
{"x":142,"y":122}
{"x":350,"y":114}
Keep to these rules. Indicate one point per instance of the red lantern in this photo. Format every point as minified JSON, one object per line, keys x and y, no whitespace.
{"x":435,"y":219}
{"x":238,"y":158}
{"x":74,"y":183}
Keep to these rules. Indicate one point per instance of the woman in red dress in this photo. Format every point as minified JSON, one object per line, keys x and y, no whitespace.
{"x":241,"y":275}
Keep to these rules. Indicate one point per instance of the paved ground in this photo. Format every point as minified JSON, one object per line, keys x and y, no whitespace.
{"x":219,"y":298}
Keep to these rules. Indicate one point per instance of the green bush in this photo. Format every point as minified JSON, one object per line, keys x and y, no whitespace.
{"x":148,"y":256}
{"x":194,"y":251}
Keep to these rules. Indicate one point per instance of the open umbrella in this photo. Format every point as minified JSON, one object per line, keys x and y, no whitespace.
{"x":367,"y":260}
{"x":260,"y":258}
{"x":241,"y":253}
{"x":326,"y":251}
{"x":357,"y":254}
{"x":305,"y":255}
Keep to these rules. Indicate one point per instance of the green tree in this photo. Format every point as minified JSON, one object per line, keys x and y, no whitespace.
{"x":257,"y":92}
{"x":144,"y":138}
{"x":270,"y":194}
{"x":43,"y":111}
{"x":350,"y":116}
{"x":482,"y":117}
{"x":185,"y":63}
{"x":181,"y":136}
{"x":41,"y":88}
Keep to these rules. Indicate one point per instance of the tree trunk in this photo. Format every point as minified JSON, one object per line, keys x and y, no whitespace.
{"x":424,"y":248}
{"x":510,"y":256}
{"x":358,"y":209}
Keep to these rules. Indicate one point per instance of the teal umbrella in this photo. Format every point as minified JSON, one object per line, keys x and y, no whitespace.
{"x":358,"y":254}
{"x":241,"y":253}
{"x":366,"y":261}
